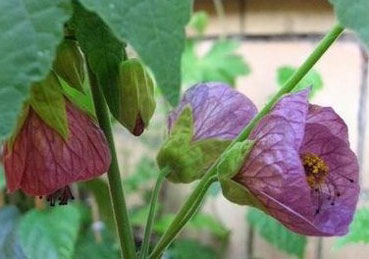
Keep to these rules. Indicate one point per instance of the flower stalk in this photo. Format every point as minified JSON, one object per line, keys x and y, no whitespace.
{"x":194,"y":201}
{"x":120,"y":211}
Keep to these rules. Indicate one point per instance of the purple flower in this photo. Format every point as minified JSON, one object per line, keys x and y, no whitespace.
{"x":209,"y":116}
{"x":301,"y":167}
{"x":218,"y":111}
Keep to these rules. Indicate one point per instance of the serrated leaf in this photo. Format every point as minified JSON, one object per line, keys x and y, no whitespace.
{"x":313,"y":79}
{"x":276,"y":234}
{"x":187,"y":248}
{"x":359,"y":231}
{"x":353,"y":14}
{"x":199,"y":21}
{"x":9,"y":242}
{"x":30,"y":31}
{"x":103,"y":51}
{"x":155,"y":29}
{"x":51,"y":233}
{"x":47,"y":100}
{"x":220,"y":63}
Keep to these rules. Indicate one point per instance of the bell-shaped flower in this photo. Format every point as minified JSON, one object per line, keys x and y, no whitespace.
{"x":301,"y":169}
{"x":208,"y":117}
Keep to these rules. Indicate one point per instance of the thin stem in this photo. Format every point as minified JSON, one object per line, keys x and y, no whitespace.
{"x":318,"y":52}
{"x":116,"y":189}
{"x":151,"y":216}
{"x":194,"y":200}
{"x":187,"y":211}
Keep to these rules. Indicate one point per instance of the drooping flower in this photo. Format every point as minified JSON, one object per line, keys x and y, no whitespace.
{"x":301,"y":168}
{"x":41,"y":162}
{"x":209,"y":116}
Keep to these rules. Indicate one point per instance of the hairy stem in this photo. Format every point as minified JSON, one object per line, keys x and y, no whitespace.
{"x":194,"y":200}
{"x":120,"y":211}
{"x":151,"y":216}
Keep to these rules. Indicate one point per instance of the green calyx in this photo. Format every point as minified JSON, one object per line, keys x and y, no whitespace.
{"x":69,"y":64}
{"x":48,"y":101}
{"x":136,"y":92}
{"x":188,"y":160}
{"x":230,"y":164}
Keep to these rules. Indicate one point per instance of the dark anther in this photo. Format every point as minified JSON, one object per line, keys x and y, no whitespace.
{"x":351,"y":181}
{"x":338,"y":194}
{"x":332,"y":203}
{"x":63,"y":195}
{"x":317,"y":190}
{"x":317,"y":211}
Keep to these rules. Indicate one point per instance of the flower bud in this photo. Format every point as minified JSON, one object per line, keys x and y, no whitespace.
{"x":136,"y":91}
{"x":209,"y":116}
{"x":69,"y":64}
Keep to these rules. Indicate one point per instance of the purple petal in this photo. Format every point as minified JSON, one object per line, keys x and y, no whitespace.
{"x":294,"y":108}
{"x":274,"y":174}
{"x":219,"y":111}
{"x":343,"y":174}
{"x":326,"y":116}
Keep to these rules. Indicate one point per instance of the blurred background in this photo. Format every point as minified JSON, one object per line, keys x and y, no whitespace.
{"x":254,"y":46}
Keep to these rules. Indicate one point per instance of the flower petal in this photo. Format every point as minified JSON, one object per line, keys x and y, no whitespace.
{"x":343,"y":173}
{"x":41,"y":162}
{"x":294,"y":108}
{"x":274,"y":174}
{"x":326,"y":116}
{"x":218,"y":110}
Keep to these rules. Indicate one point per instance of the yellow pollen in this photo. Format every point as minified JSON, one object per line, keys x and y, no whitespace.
{"x":316,"y":170}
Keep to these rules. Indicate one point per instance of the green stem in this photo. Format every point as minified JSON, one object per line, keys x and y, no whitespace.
{"x":318,"y":52}
{"x":196,"y":197}
{"x":187,"y":211}
{"x":151,"y":216}
{"x":116,"y":190}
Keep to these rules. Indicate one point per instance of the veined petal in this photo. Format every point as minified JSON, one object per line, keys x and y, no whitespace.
{"x":326,"y":116}
{"x":218,"y":111}
{"x":42,"y":162}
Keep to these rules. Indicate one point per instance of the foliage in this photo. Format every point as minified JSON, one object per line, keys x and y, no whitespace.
{"x":2,"y":178}
{"x":155,"y":29}
{"x":90,"y":248}
{"x":276,"y":234}
{"x":353,"y":14}
{"x":220,"y":63}
{"x":26,"y":50}
{"x":10,"y":247}
{"x":50,"y":234}
{"x":359,"y":231}
{"x":313,"y":79}
{"x":183,"y":249}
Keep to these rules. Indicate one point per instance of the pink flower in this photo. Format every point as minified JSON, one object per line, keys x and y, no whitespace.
{"x":41,"y":162}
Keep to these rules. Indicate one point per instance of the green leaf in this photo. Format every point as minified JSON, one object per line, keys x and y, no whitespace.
{"x":276,"y":234}
{"x":353,"y":14}
{"x":155,"y":29}
{"x":2,"y":178}
{"x":100,"y":190}
{"x":145,"y":172}
{"x":199,"y":21}
{"x":50,"y":234}
{"x":220,"y":64}
{"x":88,"y":247}
{"x":47,"y":100}
{"x":103,"y":51}
{"x":9,"y":242}
{"x":312,"y":79}
{"x":30,"y":32}
{"x":359,"y":231}
{"x":188,"y":248}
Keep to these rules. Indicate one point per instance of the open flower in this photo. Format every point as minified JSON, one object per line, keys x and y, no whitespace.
{"x":41,"y":162}
{"x":301,"y":168}
{"x":209,"y":116}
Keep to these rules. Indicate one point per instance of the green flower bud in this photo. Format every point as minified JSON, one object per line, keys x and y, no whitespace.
{"x":136,"y":92}
{"x":185,"y":159}
{"x":69,"y":64}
